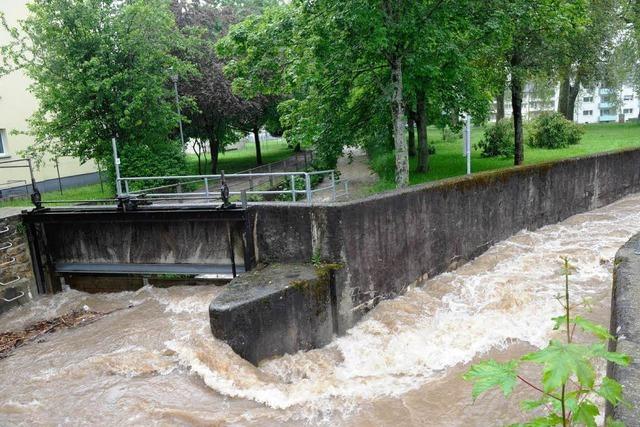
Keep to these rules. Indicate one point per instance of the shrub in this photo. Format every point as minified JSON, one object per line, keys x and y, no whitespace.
{"x":498,"y":139}
{"x":552,"y":130}
{"x":166,"y":158}
{"x":569,"y":386}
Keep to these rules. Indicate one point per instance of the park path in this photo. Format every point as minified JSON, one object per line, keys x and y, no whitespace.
{"x":295,"y":163}
{"x":354,"y":168}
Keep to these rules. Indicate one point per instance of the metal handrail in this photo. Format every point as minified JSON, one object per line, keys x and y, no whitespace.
{"x":293,"y":190}
{"x":6,"y":228}
{"x":11,"y":282}
{"x":14,"y":298}
{"x":226,"y":176}
{"x":6,"y":246}
{"x":11,"y":261}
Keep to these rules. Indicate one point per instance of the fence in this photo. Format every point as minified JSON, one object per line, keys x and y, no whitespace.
{"x":302,"y":186}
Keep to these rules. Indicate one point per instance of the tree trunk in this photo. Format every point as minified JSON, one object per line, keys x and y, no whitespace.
{"x":401,"y":149}
{"x":571,"y":101}
{"x":421,"y":121}
{"x":256,"y":137}
{"x":516,"y":102}
{"x":563,"y":95}
{"x":500,"y":106}
{"x":411,"y":127}
{"x":213,"y":147}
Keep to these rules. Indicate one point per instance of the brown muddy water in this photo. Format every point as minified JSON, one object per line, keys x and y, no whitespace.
{"x":157,"y":363}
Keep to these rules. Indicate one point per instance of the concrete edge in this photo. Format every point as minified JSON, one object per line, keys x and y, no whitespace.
{"x":625,"y":326}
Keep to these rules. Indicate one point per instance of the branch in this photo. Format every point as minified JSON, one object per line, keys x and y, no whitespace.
{"x":538,"y":388}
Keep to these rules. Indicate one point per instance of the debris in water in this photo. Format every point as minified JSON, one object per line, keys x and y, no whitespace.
{"x":9,"y":341}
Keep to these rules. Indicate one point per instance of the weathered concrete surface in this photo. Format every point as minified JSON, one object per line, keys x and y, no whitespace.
{"x":391,"y":240}
{"x":104,"y":236}
{"x":16,"y":272}
{"x":625,"y":325}
{"x":280,"y":309}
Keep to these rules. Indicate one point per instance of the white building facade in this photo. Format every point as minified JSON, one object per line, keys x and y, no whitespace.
{"x":599,"y":105}
{"x":17,"y":104}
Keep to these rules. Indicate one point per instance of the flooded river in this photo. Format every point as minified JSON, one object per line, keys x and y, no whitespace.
{"x":156,"y":363}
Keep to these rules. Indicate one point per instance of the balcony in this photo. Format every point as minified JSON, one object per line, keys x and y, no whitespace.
{"x":604,"y":91}
{"x":608,"y":118}
{"x":605,"y":105}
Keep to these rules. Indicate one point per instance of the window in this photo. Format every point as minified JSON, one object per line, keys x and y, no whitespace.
{"x":628,"y":111}
{"x":587,"y":113}
{"x":605,"y":112}
{"x":3,"y":142}
{"x":587,"y":99}
{"x":628,"y":97}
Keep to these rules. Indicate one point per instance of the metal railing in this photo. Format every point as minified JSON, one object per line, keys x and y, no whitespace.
{"x":241,"y":185}
{"x":294,"y":163}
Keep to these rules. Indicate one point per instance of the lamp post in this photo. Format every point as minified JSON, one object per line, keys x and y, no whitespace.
{"x":174,"y":79}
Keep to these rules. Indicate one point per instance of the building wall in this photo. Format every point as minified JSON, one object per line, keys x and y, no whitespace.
{"x":592,"y":105}
{"x":595,"y":106}
{"x":17,"y":104}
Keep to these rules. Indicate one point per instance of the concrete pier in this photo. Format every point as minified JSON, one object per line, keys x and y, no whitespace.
{"x":279,"y":309}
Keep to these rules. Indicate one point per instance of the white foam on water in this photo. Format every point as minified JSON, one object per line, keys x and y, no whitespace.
{"x":406,"y":342}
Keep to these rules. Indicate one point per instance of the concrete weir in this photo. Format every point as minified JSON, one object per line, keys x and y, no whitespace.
{"x":279,"y":309}
{"x":625,"y":325}
{"x":382,"y":243}
{"x":388,"y":241}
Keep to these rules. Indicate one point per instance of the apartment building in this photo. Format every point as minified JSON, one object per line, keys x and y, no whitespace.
{"x":17,"y":104}
{"x":599,"y":105}
{"x":602,"y":105}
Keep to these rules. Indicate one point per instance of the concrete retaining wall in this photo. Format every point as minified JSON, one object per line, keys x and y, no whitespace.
{"x":625,"y":325}
{"x":388,"y":241}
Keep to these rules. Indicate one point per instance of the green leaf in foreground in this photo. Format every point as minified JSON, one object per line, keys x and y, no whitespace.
{"x":599,"y":350}
{"x":588,"y":326}
{"x":611,"y":390}
{"x":491,"y":374}
{"x":548,"y":421}
{"x":560,"y":361}
{"x":610,"y":422}
{"x":585,"y":414}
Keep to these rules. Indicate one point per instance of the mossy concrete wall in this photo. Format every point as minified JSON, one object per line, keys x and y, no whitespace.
{"x":625,"y":326}
{"x":391,"y":240}
{"x":282,"y":308}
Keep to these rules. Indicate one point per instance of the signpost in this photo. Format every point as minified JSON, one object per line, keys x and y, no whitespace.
{"x":466,"y":134}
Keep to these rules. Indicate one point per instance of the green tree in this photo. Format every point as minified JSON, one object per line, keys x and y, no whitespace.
{"x":217,"y":113}
{"x":536,"y":31}
{"x":349,"y":68}
{"x":100,"y":69}
{"x":587,"y":58}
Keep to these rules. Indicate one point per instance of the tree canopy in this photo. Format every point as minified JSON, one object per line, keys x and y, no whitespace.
{"x":325,"y":73}
{"x":100,"y":69}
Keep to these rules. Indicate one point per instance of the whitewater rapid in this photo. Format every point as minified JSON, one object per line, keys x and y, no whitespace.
{"x":157,"y":363}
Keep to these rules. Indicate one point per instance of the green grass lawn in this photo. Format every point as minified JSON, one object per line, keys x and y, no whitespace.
{"x":231,"y":161}
{"x":241,"y":160}
{"x":85,"y":192}
{"x":448,"y":160}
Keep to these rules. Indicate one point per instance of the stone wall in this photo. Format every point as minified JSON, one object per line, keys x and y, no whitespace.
{"x":625,"y":325}
{"x":391,"y":240}
{"x":16,"y":273}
